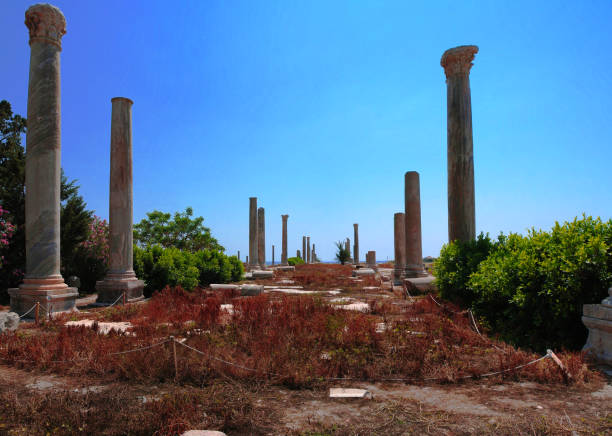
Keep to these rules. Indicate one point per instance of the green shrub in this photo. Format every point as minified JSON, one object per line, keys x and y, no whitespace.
{"x":457,"y":261}
{"x":160,"y":267}
{"x":295,"y":261}
{"x":531,"y":288}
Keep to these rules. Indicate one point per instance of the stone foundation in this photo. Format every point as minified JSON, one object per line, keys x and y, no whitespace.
{"x":52,"y":297}
{"x":109,"y":290}
{"x":598,"y":319}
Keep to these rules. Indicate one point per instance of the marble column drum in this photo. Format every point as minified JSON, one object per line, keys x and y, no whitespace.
{"x":457,"y":63}
{"x":121,"y":276}
{"x":399,"y":243}
{"x":412,"y":226}
{"x":253,"y":239}
{"x":356,"y":244}
{"x":43,"y":281}
{"x":261,"y":237}
{"x":284,"y":242}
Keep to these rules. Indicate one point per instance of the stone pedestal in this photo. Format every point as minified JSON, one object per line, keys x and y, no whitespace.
{"x":457,"y":63}
{"x":399,"y":242}
{"x":261,"y":237}
{"x":412,"y":226}
{"x":253,"y":239}
{"x":43,"y":282}
{"x":121,"y":277}
{"x":371,"y":259}
{"x":356,"y":246}
{"x":284,"y":242}
{"x":598,"y":319}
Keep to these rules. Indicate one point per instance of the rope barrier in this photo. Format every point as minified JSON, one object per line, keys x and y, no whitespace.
{"x":31,"y":309}
{"x":119,"y":298}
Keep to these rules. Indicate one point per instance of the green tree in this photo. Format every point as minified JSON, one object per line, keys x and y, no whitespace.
{"x":342,"y":255}
{"x":181,"y":231}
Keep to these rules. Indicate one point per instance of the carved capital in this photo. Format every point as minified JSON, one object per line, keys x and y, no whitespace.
{"x":458,"y":60}
{"x":46,"y":23}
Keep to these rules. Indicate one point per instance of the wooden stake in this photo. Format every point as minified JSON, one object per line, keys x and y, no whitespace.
{"x":566,"y":374}
{"x":36,"y":312}
{"x":124,"y":298}
{"x":175,"y":361}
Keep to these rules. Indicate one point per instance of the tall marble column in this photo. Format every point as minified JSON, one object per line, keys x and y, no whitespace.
{"x":399,"y":242}
{"x":43,"y":281}
{"x":304,"y":249}
{"x":457,"y":63}
{"x":253,"y":239}
{"x":120,"y":277}
{"x":313,"y":254}
{"x":284,"y":244}
{"x":412,"y":229}
{"x":261,"y":237}
{"x":308,"y":259}
{"x":356,"y":246}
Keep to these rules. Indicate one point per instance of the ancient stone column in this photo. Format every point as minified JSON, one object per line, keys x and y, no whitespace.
{"x":273,"y":255}
{"x":356,"y":246}
{"x":399,"y":242}
{"x":120,"y":277}
{"x":304,"y":249}
{"x":284,"y":245}
{"x":253,"y":239}
{"x":313,"y":257}
{"x":412,"y":227}
{"x":261,"y":237}
{"x":238,"y":254}
{"x":457,"y":63}
{"x":308,"y":254}
{"x":43,"y":282}
{"x":298,"y":254}
{"x":347,"y":246}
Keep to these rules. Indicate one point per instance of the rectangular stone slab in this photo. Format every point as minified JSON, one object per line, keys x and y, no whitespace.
{"x":349,"y":393}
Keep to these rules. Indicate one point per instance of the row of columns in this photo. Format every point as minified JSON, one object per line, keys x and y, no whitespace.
{"x":257,"y":236}
{"x":457,"y":63}
{"x":43,"y":282}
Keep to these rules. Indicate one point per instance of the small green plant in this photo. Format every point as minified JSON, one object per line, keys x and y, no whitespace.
{"x":342,"y":255}
{"x":295,"y":261}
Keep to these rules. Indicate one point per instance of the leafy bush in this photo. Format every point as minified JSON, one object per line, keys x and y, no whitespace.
{"x":295,"y":261}
{"x":531,"y":288}
{"x":457,"y":261}
{"x":90,"y":262}
{"x":160,"y":267}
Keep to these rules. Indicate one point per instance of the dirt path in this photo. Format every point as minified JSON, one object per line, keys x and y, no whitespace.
{"x":471,"y":408}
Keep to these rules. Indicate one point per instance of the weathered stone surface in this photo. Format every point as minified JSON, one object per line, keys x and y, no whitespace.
{"x":285,"y":268}
{"x":43,"y":281}
{"x":262,"y":274}
{"x":284,"y":240}
{"x":356,"y":244}
{"x":412,"y":227}
{"x":261,"y":236}
{"x":251,"y":290}
{"x":253,"y":239}
{"x":121,"y":277}
{"x":223,"y":286}
{"x":598,"y":319}
{"x":363,"y":272}
{"x":457,"y":63}
{"x":349,"y":393}
{"x":8,"y":321}
{"x":203,"y":433}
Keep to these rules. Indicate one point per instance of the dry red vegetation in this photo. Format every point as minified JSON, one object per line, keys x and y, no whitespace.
{"x":291,"y":341}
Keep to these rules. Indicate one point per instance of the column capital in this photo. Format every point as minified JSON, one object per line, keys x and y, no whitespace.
{"x":284,"y":217}
{"x":355,"y":225}
{"x":458,"y":60}
{"x":127,"y":100}
{"x":46,"y":23}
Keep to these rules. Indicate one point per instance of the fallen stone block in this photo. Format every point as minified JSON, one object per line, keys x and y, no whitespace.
{"x":363,"y":272}
{"x":9,"y":321}
{"x":223,"y":286}
{"x":262,"y":274}
{"x":251,"y":290}
{"x":285,"y":268}
{"x":103,"y":327}
{"x":349,"y":393}
{"x":203,"y":433}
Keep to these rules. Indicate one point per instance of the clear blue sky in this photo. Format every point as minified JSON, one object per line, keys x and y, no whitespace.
{"x":319,"y":107}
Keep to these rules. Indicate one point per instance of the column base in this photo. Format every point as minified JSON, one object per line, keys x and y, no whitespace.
{"x":398,"y":276}
{"x":114,"y":285}
{"x":598,"y":319}
{"x":414,"y":271}
{"x":51,"y":292}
